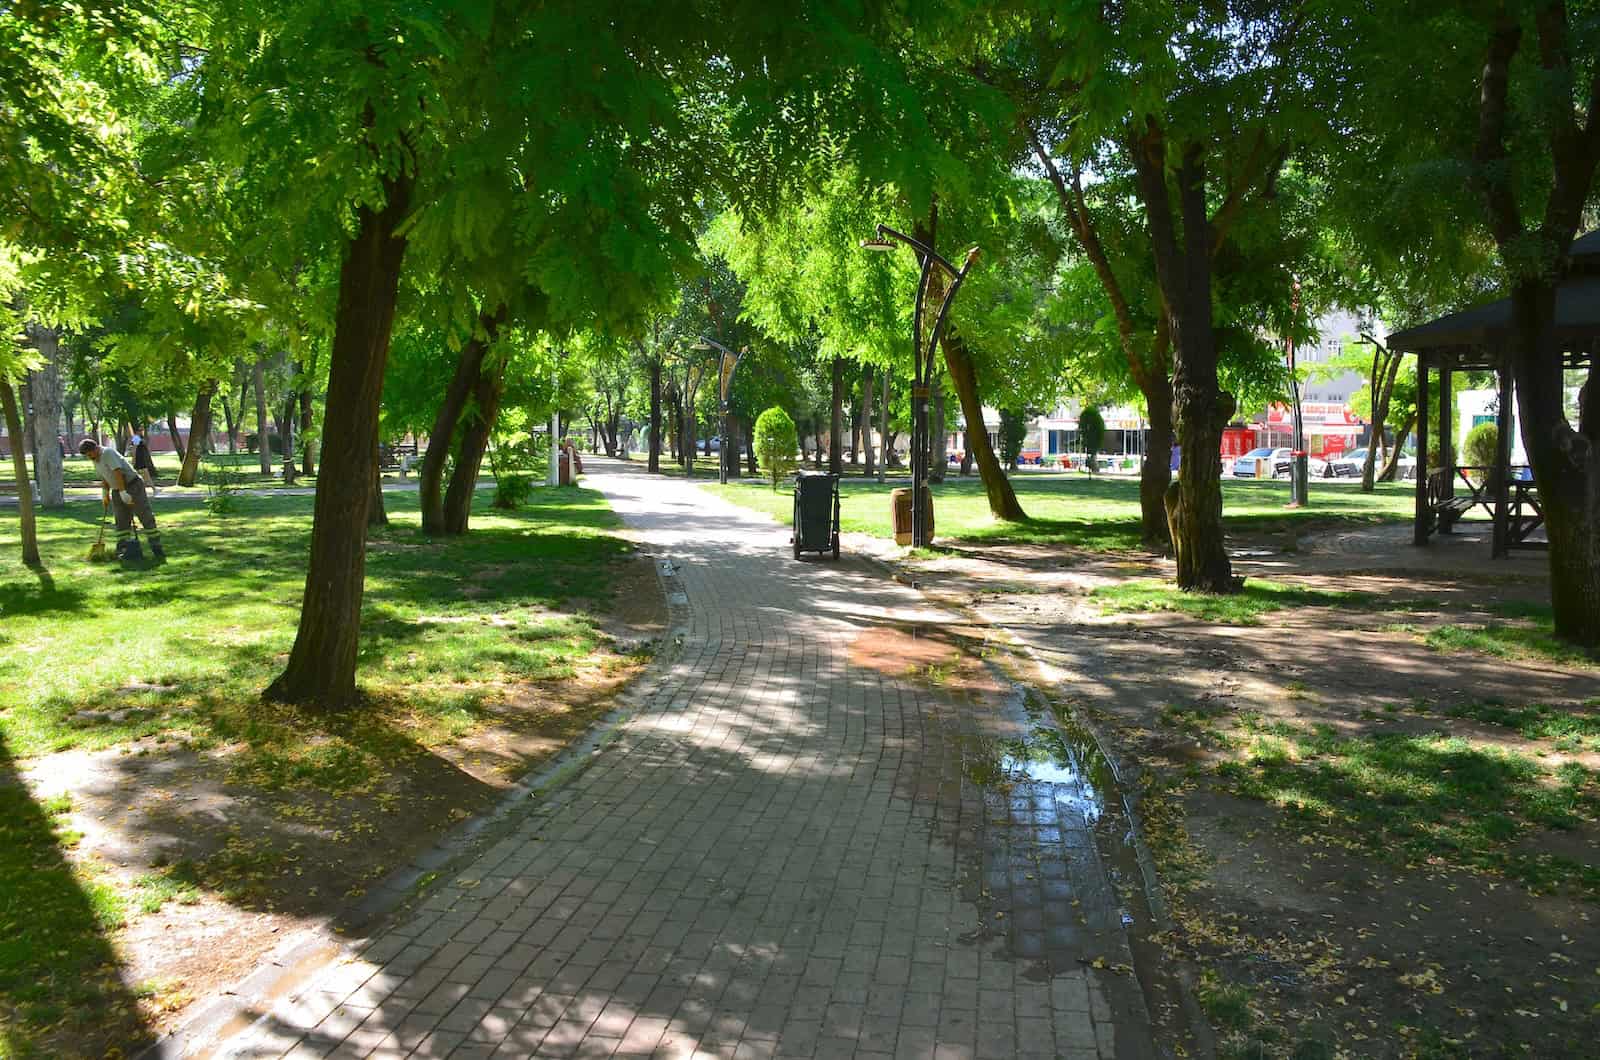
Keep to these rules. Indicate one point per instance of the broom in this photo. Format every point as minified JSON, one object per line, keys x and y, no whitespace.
{"x":97,"y":551}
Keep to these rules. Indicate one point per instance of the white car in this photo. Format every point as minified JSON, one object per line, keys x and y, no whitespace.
{"x":1350,"y":465}
{"x":1281,"y":462}
{"x":1245,"y":466}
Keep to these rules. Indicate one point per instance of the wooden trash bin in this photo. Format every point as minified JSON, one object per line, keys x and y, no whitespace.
{"x":900,"y":502}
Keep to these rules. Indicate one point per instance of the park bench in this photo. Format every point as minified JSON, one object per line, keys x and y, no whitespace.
{"x":397,"y":457}
{"x":1448,"y":506}
{"x":8,"y":488}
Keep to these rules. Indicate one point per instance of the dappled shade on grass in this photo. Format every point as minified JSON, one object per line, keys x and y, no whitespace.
{"x":1258,"y":597}
{"x":61,"y":993}
{"x":1097,"y":514}
{"x":1425,"y":798}
{"x":184,"y":650}
{"x":1522,"y":642}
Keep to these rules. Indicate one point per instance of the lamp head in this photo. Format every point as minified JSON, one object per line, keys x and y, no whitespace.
{"x":876,"y":244}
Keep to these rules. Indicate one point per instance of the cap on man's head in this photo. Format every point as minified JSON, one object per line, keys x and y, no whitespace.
{"x":87,"y":445}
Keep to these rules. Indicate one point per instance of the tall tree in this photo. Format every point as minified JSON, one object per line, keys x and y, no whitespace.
{"x":1552,"y":52}
{"x":45,"y":386}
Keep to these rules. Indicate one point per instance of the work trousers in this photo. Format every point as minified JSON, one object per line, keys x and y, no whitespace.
{"x":140,"y":507}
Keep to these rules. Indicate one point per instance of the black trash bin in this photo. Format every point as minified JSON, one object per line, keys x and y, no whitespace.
{"x":816,"y":513}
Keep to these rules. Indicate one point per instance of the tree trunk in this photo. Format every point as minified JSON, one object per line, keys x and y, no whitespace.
{"x":430,"y":475}
{"x":654,"y":466}
{"x":19,"y":468}
{"x":469,"y":458}
{"x":322,"y":665}
{"x":1565,"y":464}
{"x":377,"y":513}
{"x":286,"y":435}
{"x":1155,"y":475}
{"x":229,"y":422}
{"x":1382,"y":387}
{"x":866,"y":421}
{"x":199,"y":429}
{"x":1201,"y":408}
{"x":1002,"y":498}
{"x":883,"y":428}
{"x":308,"y":456}
{"x":855,"y":432}
{"x":1393,"y":463}
{"x":938,"y":454}
{"x":46,"y":390}
{"x":751,"y":466}
{"x":263,"y":445}
{"x":836,"y":424}
{"x":172,"y":432}
{"x":236,"y":424}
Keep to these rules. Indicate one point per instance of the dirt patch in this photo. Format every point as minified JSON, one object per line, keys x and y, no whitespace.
{"x":1341,"y":930}
{"x":952,"y":658}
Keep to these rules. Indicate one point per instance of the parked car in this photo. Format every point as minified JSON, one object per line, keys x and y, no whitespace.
{"x":1315,"y":467}
{"x":1281,"y":463}
{"x":1348,"y":465}
{"x":1245,"y":466}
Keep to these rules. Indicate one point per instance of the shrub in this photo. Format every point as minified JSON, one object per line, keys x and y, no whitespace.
{"x":222,"y":489}
{"x":1482,"y":448}
{"x":776,"y":442}
{"x":1013,"y":431}
{"x":512,"y":490}
{"x":1091,"y":432}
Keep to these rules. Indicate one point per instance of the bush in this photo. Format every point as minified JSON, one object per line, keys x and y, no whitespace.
{"x":1482,"y":448}
{"x":512,"y":490}
{"x":222,"y":489}
{"x":776,"y":442}
{"x":1013,"y":432}
{"x":1091,"y":433}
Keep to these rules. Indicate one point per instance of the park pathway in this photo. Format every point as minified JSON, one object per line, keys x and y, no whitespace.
{"x":780,"y":853}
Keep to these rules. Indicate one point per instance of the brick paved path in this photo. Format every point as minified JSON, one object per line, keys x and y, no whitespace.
{"x":779,"y":855}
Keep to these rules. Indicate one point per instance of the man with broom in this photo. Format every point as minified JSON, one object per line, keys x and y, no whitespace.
{"x":123,"y":489}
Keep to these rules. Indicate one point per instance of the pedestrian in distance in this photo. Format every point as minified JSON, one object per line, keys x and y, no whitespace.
{"x":142,"y":461}
{"x":123,"y":490}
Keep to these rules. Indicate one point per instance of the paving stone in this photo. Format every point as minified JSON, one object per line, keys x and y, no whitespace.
{"x":777,"y":855}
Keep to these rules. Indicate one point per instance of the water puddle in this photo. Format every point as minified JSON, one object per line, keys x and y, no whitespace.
{"x":1057,"y":754}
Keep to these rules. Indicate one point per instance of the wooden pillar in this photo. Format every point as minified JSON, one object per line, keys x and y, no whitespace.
{"x":1447,"y":432}
{"x":1447,"y":447}
{"x":1421,"y":527}
{"x":1502,"y":459}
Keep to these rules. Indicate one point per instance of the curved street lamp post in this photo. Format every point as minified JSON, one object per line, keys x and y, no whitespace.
{"x":725,"y":368}
{"x":922,"y":362}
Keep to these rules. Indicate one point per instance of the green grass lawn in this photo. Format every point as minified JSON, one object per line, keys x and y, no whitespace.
{"x":188,"y":645}
{"x":1426,"y":798}
{"x":98,"y":656}
{"x":1100,"y":513}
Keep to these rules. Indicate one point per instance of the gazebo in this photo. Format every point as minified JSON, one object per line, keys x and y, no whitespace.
{"x":1480,"y":340}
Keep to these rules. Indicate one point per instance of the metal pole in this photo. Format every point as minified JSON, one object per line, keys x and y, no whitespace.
{"x":1299,"y":471}
{"x":722,"y":462}
{"x":554,"y":477}
{"x":922,"y":369}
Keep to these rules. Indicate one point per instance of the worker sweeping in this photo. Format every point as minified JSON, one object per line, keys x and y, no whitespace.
{"x":123,"y":491}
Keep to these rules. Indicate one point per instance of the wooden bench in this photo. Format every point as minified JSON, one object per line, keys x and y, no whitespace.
{"x":8,"y":488}
{"x":397,"y":457}
{"x":1446,"y":505}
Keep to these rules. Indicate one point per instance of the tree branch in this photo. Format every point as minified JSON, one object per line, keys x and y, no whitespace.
{"x":1076,"y":209}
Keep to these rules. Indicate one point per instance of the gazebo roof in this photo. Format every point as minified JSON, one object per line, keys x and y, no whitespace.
{"x":1486,"y":329}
